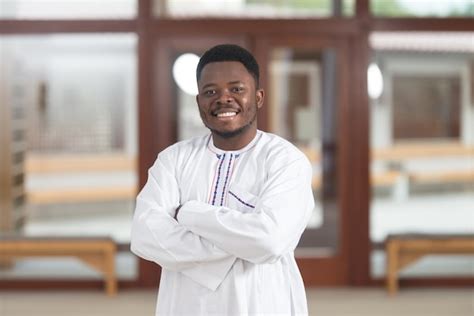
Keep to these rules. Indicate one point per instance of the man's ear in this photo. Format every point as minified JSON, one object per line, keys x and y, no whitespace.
{"x":260,"y":96}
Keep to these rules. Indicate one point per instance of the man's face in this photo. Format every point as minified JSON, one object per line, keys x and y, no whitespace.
{"x":228,"y":99}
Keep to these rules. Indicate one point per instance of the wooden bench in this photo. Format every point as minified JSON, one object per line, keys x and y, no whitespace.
{"x":99,"y":253}
{"x":408,"y":150}
{"x":404,"y":249}
{"x":43,"y":165}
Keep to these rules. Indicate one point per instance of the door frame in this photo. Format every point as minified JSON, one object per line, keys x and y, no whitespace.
{"x":331,"y":270}
{"x":171,"y":37}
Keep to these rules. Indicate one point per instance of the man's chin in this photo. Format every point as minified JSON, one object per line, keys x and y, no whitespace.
{"x":234,"y":132}
{"x":229,"y":134}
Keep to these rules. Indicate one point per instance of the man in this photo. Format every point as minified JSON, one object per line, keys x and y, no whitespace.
{"x":222,"y":214}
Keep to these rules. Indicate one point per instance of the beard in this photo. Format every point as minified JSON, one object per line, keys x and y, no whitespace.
{"x":238,"y":131}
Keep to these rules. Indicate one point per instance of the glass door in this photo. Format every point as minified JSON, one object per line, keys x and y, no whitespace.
{"x":304,"y":81}
{"x":306,"y":92}
{"x":174,"y":114}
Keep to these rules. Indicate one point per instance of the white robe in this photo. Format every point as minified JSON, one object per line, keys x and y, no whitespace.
{"x":231,"y":251}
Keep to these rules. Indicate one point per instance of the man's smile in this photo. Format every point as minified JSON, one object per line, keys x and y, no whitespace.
{"x":225,"y":113}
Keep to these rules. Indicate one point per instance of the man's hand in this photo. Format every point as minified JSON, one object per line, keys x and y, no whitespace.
{"x":176,"y":213}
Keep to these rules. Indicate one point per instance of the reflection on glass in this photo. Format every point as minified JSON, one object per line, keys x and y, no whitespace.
{"x":76,"y":95}
{"x":190,"y":124}
{"x":422,"y":139}
{"x":71,"y":9}
{"x":374,"y":81}
{"x":302,"y":110}
{"x":184,"y":73}
{"x":189,"y":120}
{"x":253,"y":8}
{"x":423,"y":8}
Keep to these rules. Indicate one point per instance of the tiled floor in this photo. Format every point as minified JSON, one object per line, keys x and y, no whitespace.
{"x":375,"y":302}
{"x":322,"y":302}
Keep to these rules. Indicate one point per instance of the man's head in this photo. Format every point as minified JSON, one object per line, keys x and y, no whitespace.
{"x":230,"y":52}
{"x":229,"y":97}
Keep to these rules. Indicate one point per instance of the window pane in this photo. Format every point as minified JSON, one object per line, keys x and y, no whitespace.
{"x":70,"y":9}
{"x":422,"y":8}
{"x":73,"y":100}
{"x":422,"y":144}
{"x":184,"y":76}
{"x":426,"y":106}
{"x":302,"y":101}
{"x":253,"y":8}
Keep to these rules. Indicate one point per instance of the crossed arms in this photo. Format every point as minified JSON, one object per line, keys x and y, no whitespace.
{"x":204,"y":240}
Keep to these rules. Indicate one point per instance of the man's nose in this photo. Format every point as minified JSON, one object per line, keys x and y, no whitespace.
{"x":224,"y":98}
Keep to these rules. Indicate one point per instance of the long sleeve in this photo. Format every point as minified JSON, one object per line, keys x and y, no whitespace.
{"x":273,"y":229}
{"x":157,"y":236}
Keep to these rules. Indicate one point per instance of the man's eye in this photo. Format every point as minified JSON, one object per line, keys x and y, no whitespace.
{"x":237,"y":89}
{"x":209,"y":92}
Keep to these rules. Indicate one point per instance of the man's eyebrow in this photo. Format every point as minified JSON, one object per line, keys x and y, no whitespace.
{"x":208,"y":85}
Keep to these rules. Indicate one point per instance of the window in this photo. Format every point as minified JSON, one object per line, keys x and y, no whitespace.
{"x":254,"y":8}
{"x":422,"y":8}
{"x":72,"y":102}
{"x":422,"y":144}
{"x":70,"y":9}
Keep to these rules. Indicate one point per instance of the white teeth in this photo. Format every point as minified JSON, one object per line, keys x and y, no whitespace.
{"x":226,"y":114}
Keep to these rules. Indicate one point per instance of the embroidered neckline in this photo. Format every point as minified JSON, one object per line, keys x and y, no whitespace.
{"x":236,"y":153}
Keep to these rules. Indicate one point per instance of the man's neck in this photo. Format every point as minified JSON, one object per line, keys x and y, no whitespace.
{"x":236,"y":142}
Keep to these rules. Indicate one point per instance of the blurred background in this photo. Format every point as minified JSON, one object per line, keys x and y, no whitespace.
{"x":378,"y":93}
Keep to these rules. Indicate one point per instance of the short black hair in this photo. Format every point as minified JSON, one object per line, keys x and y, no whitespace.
{"x":230,"y":52}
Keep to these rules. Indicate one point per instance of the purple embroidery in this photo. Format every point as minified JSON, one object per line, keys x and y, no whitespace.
{"x":217,"y":181}
{"x":226,"y":179}
{"x":238,"y":199}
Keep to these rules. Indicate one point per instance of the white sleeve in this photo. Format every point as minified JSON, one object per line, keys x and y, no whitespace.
{"x":157,"y":236}
{"x":272,"y":230}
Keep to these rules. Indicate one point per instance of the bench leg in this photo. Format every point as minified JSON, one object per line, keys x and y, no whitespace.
{"x":105,"y":263}
{"x":392,"y":267}
{"x":110,"y":276}
{"x":6,"y":263}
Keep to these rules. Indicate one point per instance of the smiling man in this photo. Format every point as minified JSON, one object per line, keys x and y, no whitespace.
{"x":229,"y":98}
{"x":222,"y":214}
